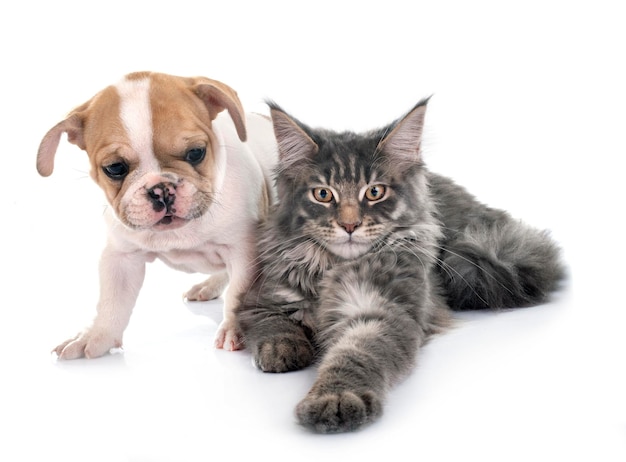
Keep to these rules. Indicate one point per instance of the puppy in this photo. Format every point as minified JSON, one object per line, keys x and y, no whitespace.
{"x":183,"y":186}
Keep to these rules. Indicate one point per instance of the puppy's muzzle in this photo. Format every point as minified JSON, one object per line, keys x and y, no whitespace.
{"x":162,"y":197}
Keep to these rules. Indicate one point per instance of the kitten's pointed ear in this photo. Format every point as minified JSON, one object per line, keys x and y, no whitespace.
{"x":404,"y":140}
{"x":294,"y":144}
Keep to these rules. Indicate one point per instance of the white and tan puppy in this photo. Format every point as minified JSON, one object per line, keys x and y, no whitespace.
{"x":182,"y":185}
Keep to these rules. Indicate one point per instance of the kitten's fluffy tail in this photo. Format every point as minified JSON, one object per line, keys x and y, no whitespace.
{"x":500,"y":264}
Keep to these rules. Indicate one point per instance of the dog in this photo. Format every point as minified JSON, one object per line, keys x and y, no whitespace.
{"x":185,"y":184}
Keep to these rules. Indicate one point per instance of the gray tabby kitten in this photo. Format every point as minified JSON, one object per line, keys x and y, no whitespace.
{"x":364,"y":256}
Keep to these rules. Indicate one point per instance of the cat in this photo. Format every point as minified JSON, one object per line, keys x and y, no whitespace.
{"x":364,"y":257}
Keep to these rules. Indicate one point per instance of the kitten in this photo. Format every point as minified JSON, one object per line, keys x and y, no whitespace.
{"x":362,"y":259}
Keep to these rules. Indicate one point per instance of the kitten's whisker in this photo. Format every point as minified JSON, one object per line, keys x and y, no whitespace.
{"x":439,"y":262}
{"x":446,"y":267}
{"x":475,"y":265}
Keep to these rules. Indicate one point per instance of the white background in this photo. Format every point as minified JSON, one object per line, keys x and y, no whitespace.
{"x":527,"y":112}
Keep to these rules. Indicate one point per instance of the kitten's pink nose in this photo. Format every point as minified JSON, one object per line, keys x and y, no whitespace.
{"x":350,"y":227}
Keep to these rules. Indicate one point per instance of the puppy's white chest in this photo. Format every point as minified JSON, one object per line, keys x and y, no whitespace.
{"x":206,"y":261}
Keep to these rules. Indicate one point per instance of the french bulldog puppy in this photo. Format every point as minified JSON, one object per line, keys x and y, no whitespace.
{"x":185,"y":184}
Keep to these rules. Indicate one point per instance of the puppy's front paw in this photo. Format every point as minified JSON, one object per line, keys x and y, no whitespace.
{"x":208,"y":290}
{"x":229,"y":337}
{"x":283,"y":353}
{"x":338,"y":412}
{"x":88,"y":344}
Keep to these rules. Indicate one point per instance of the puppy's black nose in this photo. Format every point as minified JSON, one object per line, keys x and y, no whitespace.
{"x":162,"y":196}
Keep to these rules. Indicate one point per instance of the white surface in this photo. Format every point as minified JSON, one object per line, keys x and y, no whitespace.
{"x":528,"y":113}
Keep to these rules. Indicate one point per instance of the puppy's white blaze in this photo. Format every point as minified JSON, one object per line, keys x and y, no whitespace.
{"x":136,"y":116}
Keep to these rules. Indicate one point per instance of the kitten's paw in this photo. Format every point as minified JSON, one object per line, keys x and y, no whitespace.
{"x":283,"y":353}
{"x":338,"y":412}
{"x":208,"y":290}
{"x":88,"y":344}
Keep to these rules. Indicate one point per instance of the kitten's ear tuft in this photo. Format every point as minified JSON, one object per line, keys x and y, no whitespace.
{"x":294,"y":144}
{"x":404,"y":141}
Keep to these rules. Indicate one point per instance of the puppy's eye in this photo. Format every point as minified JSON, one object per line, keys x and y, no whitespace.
{"x":323,"y":194}
{"x":116,"y":171}
{"x":195,"y":156}
{"x":375,"y":193}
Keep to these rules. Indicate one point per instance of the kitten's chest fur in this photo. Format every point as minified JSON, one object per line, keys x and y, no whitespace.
{"x":305,"y":268}
{"x":301,"y":269}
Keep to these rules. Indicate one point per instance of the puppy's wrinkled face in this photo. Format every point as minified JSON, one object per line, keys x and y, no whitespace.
{"x":152,"y":151}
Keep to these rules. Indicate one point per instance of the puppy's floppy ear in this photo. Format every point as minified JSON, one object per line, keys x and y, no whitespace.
{"x":73,"y":126}
{"x":218,"y":96}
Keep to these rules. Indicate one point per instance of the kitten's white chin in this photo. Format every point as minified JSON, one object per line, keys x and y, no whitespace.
{"x":349,"y":250}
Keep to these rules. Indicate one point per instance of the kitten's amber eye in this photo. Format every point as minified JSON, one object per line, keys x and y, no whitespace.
{"x":375,"y":193}
{"x":322,"y":194}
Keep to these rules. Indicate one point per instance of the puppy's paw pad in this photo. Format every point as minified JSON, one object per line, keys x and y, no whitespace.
{"x":210,"y":289}
{"x":229,"y":339}
{"x":88,"y":345}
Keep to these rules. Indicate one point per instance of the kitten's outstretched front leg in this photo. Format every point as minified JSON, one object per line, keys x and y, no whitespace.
{"x":351,"y":384}
{"x":335,"y":412}
{"x":333,"y":406}
{"x":373,"y":316}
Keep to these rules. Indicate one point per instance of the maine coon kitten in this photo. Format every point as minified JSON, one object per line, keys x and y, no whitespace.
{"x":362,"y":259}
